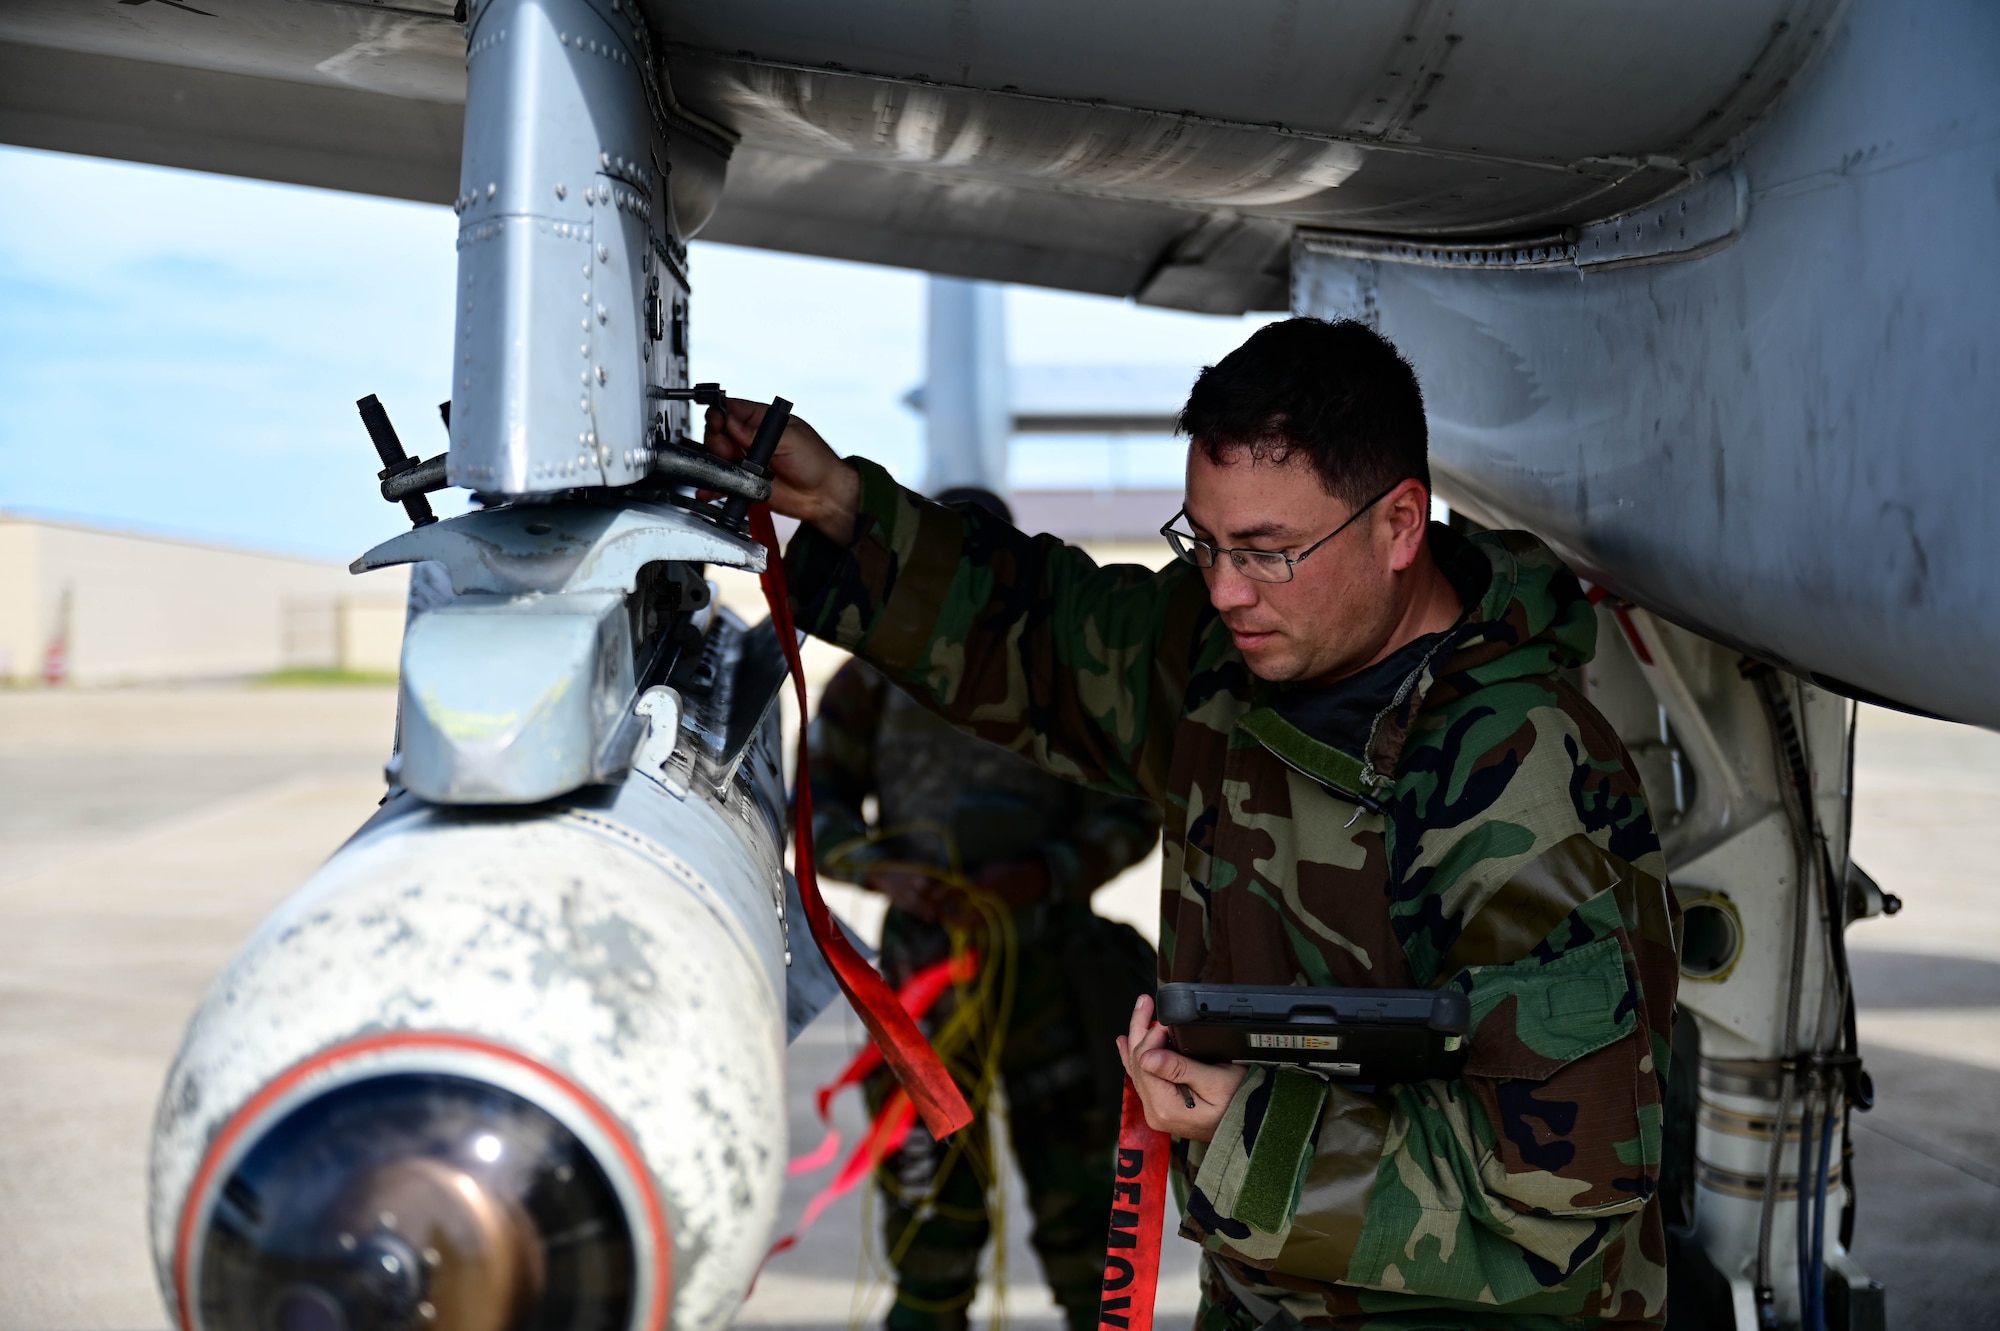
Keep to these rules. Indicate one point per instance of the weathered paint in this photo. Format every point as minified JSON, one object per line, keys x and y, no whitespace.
{"x":652,"y":978}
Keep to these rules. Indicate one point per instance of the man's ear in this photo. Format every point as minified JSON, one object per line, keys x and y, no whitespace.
{"x":1407,"y":513}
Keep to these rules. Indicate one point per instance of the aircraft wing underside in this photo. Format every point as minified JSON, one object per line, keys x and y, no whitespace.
{"x":1164,"y":151}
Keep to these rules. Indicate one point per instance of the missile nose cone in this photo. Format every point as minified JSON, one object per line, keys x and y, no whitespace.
{"x":415,"y":1202}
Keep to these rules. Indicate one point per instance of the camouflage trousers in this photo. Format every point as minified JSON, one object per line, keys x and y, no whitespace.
{"x":1076,"y":980}
{"x":1242,"y":1302}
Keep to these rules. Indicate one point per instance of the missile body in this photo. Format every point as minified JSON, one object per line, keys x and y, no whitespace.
{"x":503,"y":1067}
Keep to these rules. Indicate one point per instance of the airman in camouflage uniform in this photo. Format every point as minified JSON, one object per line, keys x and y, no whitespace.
{"x":1042,"y":845}
{"x":1454,"y":814}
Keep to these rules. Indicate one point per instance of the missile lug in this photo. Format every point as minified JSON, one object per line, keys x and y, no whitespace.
{"x":661,"y":706}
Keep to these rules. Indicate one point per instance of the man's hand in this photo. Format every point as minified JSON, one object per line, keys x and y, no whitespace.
{"x":909,"y":891}
{"x":1166,"y":1081}
{"x":808,"y":480}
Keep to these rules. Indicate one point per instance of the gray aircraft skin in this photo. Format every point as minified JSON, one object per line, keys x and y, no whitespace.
{"x":1788,"y":444}
{"x":1702,"y":293}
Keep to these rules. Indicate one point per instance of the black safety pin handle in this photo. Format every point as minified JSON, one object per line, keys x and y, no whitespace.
{"x":769,"y":431}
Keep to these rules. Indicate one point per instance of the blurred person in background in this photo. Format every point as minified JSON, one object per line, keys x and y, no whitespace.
{"x":965,"y":840}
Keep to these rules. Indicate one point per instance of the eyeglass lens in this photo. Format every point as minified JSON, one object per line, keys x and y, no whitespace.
{"x":1263,"y":565}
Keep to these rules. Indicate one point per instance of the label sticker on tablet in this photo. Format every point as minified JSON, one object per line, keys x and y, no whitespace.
{"x":1286,"y":1040}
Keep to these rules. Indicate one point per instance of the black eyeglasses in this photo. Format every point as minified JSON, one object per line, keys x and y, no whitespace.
{"x":1258,"y":565}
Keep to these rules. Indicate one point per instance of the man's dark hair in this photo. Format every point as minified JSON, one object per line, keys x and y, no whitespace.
{"x":1337,"y":392}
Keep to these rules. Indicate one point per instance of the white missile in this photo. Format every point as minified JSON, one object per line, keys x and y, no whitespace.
{"x":482,"y":1067}
{"x":507,"y":1066}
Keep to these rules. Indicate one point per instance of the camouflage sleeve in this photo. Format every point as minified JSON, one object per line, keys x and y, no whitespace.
{"x":1109,"y":834}
{"x":841,"y":745}
{"x":1519,"y":1179}
{"x":1022,"y":641}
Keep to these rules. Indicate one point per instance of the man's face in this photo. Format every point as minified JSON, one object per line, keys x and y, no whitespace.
{"x":1337,"y":613}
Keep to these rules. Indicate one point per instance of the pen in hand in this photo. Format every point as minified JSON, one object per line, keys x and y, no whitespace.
{"x":1187,"y":1096}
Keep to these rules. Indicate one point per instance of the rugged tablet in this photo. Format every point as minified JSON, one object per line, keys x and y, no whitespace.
{"x":1379,"y":1037}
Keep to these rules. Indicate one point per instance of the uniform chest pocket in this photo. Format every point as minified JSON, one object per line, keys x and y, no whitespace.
{"x":1562,"y":1067}
{"x":1530,"y":1017}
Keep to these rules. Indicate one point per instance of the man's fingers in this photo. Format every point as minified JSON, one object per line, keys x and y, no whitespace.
{"x":1142,"y":1042}
{"x":1168,"y":1111}
{"x":1212,"y":1083}
{"x":728,"y":430}
{"x":1170,"y":1066}
{"x":808,"y":480}
{"x":1142,"y":1019}
{"x":715,"y":434}
{"x":1163,"y":1078}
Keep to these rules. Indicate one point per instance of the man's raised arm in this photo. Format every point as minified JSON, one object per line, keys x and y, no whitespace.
{"x":1022,"y":641}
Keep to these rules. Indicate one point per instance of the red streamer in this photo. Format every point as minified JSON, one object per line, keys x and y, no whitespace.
{"x":918,"y":996}
{"x":886,"y":1134}
{"x":1138,"y":1211}
{"x":909,"y":1055}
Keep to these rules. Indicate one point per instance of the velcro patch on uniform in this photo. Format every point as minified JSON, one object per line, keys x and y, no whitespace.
{"x":1283,"y":1148}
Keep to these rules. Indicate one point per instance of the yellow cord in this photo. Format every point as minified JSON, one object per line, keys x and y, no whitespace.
{"x":970,"y":1043}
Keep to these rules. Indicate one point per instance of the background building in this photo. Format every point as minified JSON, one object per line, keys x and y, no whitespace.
{"x":95,"y":606}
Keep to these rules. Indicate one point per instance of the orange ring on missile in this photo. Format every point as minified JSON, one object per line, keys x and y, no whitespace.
{"x":285,"y":1082}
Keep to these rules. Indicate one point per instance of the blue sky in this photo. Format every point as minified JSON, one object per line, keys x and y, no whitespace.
{"x":182,"y":352}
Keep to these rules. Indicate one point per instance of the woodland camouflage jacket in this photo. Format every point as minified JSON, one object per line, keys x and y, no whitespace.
{"x":1485,"y":830}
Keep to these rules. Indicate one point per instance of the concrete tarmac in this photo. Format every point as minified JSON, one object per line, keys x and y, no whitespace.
{"x":144,"y":833}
